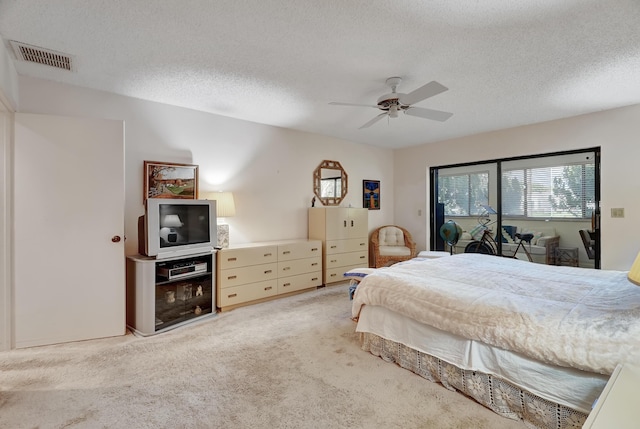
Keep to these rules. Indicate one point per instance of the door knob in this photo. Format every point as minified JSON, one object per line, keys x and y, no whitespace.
{"x":116,"y":238}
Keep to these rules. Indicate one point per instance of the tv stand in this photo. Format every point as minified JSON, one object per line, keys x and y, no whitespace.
{"x":163,"y":294}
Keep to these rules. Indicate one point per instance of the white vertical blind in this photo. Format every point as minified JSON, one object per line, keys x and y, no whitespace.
{"x":561,"y":191}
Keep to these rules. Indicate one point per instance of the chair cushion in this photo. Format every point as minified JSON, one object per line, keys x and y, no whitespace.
{"x":394,"y":251}
{"x":390,"y":236}
{"x":509,"y":248}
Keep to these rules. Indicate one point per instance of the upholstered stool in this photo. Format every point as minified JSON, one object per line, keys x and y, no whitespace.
{"x":355,"y":275}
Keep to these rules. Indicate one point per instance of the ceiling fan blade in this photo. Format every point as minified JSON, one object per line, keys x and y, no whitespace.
{"x":373,"y":121}
{"x":422,"y":93}
{"x":436,"y":115}
{"x":335,"y":103}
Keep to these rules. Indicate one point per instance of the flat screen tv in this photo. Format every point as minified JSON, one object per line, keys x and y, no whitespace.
{"x":177,"y":227}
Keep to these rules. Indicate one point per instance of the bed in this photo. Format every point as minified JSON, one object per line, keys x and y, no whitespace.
{"x":532,"y":342}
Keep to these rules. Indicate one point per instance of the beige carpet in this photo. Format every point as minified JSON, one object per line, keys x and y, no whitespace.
{"x":290,"y":363}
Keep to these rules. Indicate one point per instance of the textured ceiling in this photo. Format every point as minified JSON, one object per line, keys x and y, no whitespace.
{"x":506,"y":63}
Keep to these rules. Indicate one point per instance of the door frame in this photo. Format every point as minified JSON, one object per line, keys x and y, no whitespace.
{"x":6,"y":224}
{"x":433,"y":192}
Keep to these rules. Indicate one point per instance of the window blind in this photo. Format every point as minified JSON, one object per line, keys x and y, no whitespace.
{"x":562,"y":191}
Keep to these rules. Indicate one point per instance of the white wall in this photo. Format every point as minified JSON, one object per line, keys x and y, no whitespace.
{"x":614,"y":131}
{"x":269,"y":169}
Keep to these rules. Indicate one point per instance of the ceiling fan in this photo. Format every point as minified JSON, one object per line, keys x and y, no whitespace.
{"x":395,"y":102}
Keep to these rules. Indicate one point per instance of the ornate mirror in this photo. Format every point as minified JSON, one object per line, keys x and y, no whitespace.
{"x":330,"y":183}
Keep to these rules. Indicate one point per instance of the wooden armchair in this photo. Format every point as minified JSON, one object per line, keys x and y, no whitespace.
{"x":390,"y":244}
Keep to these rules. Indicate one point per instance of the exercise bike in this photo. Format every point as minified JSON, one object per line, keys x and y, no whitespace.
{"x":488,"y":245}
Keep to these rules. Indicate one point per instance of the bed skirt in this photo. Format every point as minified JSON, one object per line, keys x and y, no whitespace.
{"x":492,"y":392}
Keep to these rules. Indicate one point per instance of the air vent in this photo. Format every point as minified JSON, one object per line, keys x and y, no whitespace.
{"x":47,"y":57}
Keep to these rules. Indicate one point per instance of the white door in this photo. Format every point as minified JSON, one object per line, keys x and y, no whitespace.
{"x":69,"y":229}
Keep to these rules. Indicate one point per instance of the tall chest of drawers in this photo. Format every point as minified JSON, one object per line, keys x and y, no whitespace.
{"x":344,"y":232}
{"x":257,"y":272}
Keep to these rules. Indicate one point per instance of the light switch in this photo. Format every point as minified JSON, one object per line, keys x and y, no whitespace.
{"x":617,"y":212}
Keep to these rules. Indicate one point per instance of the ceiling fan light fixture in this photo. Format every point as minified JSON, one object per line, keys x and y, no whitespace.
{"x":392,"y":103}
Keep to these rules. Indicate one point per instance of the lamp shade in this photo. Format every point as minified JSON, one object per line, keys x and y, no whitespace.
{"x":172,"y":221}
{"x":225,"y":205}
{"x":634,"y":272}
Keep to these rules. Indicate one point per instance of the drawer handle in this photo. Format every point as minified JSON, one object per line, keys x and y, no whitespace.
{"x":286,"y":252}
{"x":268,"y":271}
{"x":286,"y":268}
{"x":333,"y":260}
{"x":332,"y":275}
{"x":268,"y":288}
{"x":233,"y":295}
{"x":232,"y":259}
{"x":315,"y":249}
{"x":286,"y":284}
{"x":333,"y":247}
{"x":267,"y":254}
{"x":363,"y":244}
{"x":231,"y":277}
{"x":314,"y":264}
{"x":314,"y":279}
{"x":362,"y":257}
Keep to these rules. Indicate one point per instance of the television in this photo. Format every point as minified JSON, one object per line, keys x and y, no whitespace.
{"x":177,"y":227}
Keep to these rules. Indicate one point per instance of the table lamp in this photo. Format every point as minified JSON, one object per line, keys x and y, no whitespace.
{"x":634,"y":272}
{"x":225,"y":207}
{"x":169,"y":224}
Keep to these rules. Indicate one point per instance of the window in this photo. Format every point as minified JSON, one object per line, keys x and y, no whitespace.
{"x":463,"y":194}
{"x":331,"y":187}
{"x":565,"y":191}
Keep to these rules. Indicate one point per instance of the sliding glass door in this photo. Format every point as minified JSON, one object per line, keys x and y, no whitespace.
{"x":551,"y":201}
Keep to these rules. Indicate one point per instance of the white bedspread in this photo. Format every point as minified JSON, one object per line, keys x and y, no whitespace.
{"x":575,"y":317}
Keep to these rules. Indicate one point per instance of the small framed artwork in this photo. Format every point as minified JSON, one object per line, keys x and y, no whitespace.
{"x":170,"y":180}
{"x":371,"y":194}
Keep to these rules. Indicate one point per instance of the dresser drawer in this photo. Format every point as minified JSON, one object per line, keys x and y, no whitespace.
{"x":244,"y":256}
{"x":357,"y":245}
{"x":301,"y":250}
{"x":299,"y":282}
{"x":349,"y":245}
{"x":242,"y":275}
{"x":335,"y":246}
{"x":245,"y":293}
{"x":299,"y":266}
{"x":343,"y":259}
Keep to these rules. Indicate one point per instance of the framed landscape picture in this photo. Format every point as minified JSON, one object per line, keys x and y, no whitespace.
{"x":170,"y":180}
{"x":371,"y":194}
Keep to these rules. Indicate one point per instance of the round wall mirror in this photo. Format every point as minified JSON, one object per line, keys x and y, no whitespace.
{"x":330,"y":183}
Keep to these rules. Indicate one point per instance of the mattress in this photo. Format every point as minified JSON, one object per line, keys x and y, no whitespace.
{"x":564,"y":316}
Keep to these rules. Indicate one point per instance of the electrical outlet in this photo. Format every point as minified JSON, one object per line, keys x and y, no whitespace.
{"x":419,"y":212}
{"x":617,"y":212}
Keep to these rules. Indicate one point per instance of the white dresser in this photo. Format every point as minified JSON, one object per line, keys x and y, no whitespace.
{"x":344,"y":232}
{"x":256,"y":272}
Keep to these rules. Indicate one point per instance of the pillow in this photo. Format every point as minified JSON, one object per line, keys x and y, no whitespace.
{"x":477,"y":232}
{"x":508,"y":232}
